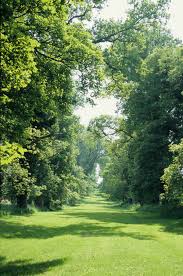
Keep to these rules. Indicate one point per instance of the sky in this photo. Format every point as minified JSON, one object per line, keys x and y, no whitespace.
{"x":115,"y":9}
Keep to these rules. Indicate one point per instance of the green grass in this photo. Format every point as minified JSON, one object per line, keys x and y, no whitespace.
{"x":95,"y":238}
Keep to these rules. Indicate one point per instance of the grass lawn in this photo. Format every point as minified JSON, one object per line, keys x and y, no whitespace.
{"x":95,"y":238}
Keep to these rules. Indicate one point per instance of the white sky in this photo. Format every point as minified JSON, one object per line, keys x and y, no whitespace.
{"x":116,"y":9}
{"x":104,"y":106}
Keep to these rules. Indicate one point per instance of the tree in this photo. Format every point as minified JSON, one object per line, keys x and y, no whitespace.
{"x":46,"y":46}
{"x":173,"y":178}
{"x":91,"y":149}
{"x":142,"y":77}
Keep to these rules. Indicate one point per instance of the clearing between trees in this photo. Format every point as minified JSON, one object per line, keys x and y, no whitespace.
{"x":94,"y":238}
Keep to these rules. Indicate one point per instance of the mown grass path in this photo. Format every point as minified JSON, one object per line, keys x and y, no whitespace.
{"x":95,"y":238}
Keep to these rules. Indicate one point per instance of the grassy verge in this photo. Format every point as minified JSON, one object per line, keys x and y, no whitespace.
{"x":94,"y":238}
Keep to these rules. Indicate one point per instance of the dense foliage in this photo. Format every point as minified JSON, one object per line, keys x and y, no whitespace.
{"x":145,"y":68}
{"x":173,"y":177}
{"x":154,"y":119}
{"x":48,"y":63}
{"x":51,"y":62}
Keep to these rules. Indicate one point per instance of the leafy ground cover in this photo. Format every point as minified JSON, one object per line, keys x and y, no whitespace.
{"x":94,"y":238}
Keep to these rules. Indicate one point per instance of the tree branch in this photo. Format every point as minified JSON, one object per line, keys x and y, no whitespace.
{"x":81,"y":16}
{"x":111,"y":37}
{"x":63,"y":61}
{"x":47,"y":56}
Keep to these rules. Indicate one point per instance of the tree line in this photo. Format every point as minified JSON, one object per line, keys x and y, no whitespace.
{"x":145,"y":162}
{"x":53,"y":60}
{"x":48,"y":63}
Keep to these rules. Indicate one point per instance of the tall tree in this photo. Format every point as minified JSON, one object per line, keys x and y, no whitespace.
{"x":45,"y":47}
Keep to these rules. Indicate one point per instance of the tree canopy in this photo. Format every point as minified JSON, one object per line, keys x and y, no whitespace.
{"x":52,"y":60}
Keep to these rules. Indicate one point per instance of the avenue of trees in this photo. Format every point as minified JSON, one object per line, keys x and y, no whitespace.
{"x":53,"y":59}
{"x":48,"y":63}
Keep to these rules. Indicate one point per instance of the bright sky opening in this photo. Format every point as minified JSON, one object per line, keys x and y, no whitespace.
{"x":116,"y":9}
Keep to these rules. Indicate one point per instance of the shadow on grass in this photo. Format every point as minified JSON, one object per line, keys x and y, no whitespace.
{"x":129,"y":217}
{"x":100,"y":226}
{"x":175,"y":227}
{"x":25,"y":267}
{"x":15,"y":230}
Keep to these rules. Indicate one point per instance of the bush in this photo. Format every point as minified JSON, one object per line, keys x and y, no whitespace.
{"x":73,"y":198}
{"x":55,"y":205}
{"x":173,"y":179}
{"x":169,"y":211}
{"x":10,"y":209}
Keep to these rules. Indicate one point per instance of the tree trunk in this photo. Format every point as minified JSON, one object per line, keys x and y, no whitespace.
{"x":22,"y":201}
